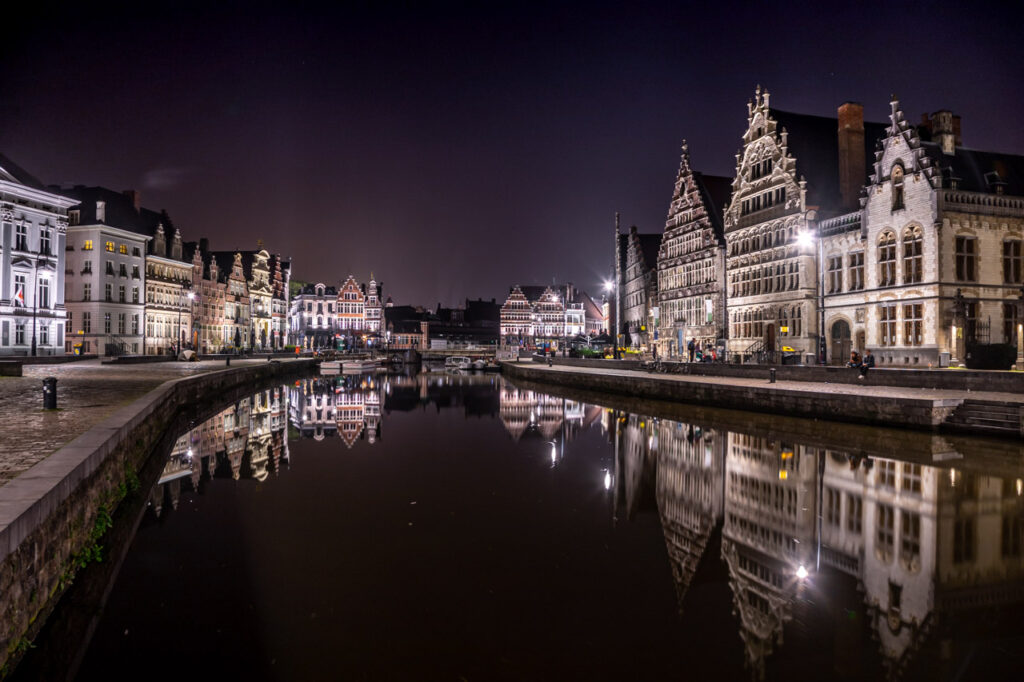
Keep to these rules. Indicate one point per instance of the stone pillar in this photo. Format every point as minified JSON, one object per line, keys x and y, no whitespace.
{"x":58,"y":294}
{"x":7,"y":227}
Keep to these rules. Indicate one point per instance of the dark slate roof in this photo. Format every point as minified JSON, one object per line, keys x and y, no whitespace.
{"x":623,"y":250}
{"x":119,"y":210}
{"x":976,"y":170}
{"x":21,"y":176}
{"x":481,"y":311}
{"x":533,"y":291}
{"x":715,"y":192}
{"x":403,"y":319}
{"x":814,"y":142}
{"x":650,"y":244}
{"x":310,"y":289}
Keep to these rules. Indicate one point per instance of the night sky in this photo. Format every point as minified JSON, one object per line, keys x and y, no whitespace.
{"x":459,"y":148}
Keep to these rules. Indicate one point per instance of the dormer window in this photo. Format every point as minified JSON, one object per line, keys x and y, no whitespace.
{"x":101,"y":211}
{"x":896,"y":178}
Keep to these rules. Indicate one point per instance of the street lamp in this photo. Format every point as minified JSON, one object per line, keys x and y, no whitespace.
{"x":35,"y":295}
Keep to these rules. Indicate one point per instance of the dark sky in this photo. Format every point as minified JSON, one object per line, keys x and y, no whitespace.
{"x":455,"y":149}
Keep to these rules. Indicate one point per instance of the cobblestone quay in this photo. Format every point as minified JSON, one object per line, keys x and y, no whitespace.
{"x":53,"y":515}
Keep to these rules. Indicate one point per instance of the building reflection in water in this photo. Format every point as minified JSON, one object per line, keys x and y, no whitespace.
{"x":246,"y":440}
{"x":897,"y":564}
{"x":915,"y":549}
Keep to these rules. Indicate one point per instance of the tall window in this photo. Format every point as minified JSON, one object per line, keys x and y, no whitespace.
{"x":910,"y":538}
{"x":120,"y":293}
{"x":854,"y":513}
{"x":966,"y":259}
{"x":1012,"y":273}
{"x":832,"y":501}
{"x":107,"y":295}
{"x":106,"y":323}
{"x":913,"y":324}
{"x":1011,"y":318}
{"x":122,"y":248}
{"x":911,"y":482}
{"x":19,"y":333}
{"x":86,"y":322}
{"x":21,"y":238}
{"x":885,"y":538}
{"x":963,"y":540}
{"x":1013,"y":530}
{"x":913,"y":271}
{"x":135,"y":294}
{"x":887,"y":325}
{"x":897,"y":187}
{"x":87,"y":246}
{"x":109,"y":246}
{"x":44,"y":242}
{"x":44,"y":293}
{"x":887,"y":259}
{"x":887,"y":473}
{"x":856,"y":281}
{"x":120,"y":323}
{"x":835,"y":274}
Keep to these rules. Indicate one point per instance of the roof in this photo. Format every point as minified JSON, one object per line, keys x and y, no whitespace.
{"x":16,"y":173}
{"x":814,"y":142}
{"x":119,"y":210}
{"x":715,"y":192}
{"x":650,"y":244}
{"x":976,"y":170}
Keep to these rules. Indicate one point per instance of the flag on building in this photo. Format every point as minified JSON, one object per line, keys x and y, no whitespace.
{"x":19,"y":296}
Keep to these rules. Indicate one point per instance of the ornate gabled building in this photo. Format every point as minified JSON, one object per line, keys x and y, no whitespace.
{"x":792,"y":171}
{"x":640,"y":288}
{"x":351,"y":309}
{"x":236,"y":315}
{"x":929,"y":269}
{"x":33,"y":234}
{"x":691,"y":263}
{"x":373,"y":307}
{"x":168,"y":285}
{"x":280,"y":302}
{"x":516,"y":318}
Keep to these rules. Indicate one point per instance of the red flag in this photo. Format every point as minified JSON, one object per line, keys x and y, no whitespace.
{"x":19,"y":296}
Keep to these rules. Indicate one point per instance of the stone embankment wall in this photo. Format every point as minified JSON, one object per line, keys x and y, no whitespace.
{"x":954,"y":379}
{"x":53,"y":515}
{"x":924,"y":413}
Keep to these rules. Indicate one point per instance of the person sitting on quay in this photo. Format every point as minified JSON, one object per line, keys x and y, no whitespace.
{"x":866,"y":364}
{"x":854,"y":359}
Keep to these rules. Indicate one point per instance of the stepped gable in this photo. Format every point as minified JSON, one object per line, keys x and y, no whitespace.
{"x":715,"y":192}
{"x":814,"y":142}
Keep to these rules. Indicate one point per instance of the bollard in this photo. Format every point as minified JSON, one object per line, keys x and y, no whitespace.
{"x":771,"y":375}
{"x":50,"y":393}
{"x":227,"y":361}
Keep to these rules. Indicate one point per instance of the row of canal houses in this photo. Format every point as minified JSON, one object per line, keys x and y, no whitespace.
{"x":322,"y":315}
{"x":834,"y":235}
{"x":90,"y":270}
{"x":549,"y":315}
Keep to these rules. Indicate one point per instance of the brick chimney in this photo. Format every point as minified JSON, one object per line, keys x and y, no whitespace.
{"x":134,"y":195}
{"x":851,"y":154}
{"x":945,"y":130}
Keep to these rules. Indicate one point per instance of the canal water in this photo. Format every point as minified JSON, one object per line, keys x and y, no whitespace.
{"x":461,"y":527}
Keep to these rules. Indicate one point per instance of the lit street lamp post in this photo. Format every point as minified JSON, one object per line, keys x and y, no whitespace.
{"x":806,"y":240}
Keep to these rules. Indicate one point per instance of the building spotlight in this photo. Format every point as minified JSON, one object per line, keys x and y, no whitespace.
{"x":801,"y":572}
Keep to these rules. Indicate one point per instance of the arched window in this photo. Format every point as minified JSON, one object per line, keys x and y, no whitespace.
{"x":896,"y":177}
{"x":912,"y":262}
{"x":887,"y":259}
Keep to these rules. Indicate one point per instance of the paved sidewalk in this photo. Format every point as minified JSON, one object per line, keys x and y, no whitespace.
{"x":87,"y":393}
{"x":805,"y":386}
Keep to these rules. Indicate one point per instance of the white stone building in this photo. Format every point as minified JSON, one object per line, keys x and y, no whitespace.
{"x":936,"y":220}
{"x":108,"y":237}
{"x":168,"y":285}
{"x":33,"y":233}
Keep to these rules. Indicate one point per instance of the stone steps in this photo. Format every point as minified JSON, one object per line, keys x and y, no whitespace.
{"x":984,"y":416}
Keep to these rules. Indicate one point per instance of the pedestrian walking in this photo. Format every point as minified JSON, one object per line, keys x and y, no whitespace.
{"x":867,"y":363}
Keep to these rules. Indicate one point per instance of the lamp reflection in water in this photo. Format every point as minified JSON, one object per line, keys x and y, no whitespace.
{"x":607,"y":480}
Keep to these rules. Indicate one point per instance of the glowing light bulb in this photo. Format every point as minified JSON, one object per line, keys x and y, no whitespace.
{"x":801,"y":572}
{"x":607,"y":480}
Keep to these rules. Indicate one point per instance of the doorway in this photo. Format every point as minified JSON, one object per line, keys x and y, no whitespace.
{"x":769,"y":338}
{"x":841,"y":342}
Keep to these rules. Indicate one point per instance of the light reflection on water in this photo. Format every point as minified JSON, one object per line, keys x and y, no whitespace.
{"x":837,"y":563}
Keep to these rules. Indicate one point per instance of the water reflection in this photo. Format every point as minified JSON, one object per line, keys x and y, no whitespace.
{"x":921,"y":544}
{"x":869,"y":565}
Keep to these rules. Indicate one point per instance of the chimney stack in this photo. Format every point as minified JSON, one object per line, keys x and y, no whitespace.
{"x":133,"y":194}
{"x":851,"y":154}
